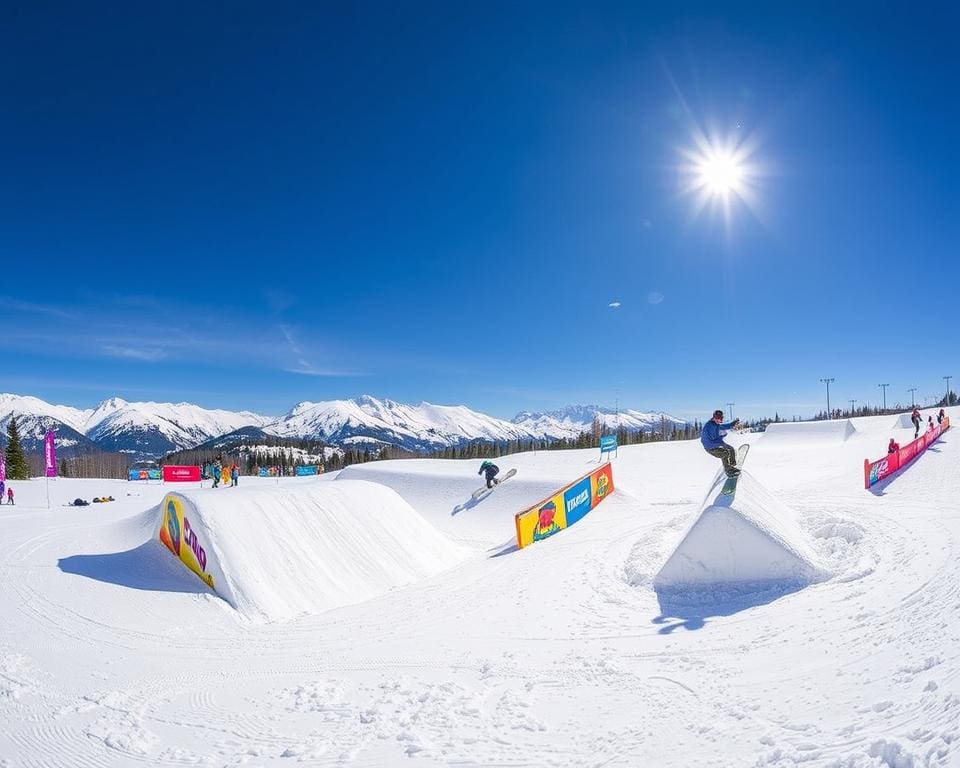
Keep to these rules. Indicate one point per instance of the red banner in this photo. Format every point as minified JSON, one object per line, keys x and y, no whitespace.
{"x":185,"y":474}
{"x":875,"y":471}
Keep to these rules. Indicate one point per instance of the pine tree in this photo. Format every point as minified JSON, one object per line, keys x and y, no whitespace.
{"x":17,"y":468}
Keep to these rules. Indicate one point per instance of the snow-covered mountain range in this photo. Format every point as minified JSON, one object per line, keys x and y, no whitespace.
{"x":153,"y":429}
{"x":574,"y":419}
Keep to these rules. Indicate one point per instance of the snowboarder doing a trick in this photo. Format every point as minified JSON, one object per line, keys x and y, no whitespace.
{"x":490,"y":470}
{"x":712,"y":438}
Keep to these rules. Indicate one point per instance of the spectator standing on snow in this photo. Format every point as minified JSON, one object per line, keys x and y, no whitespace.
{"x":940,"y":416}
{"x":915,"y":418}
{"x":711,"y":436}
{"x":217,"y":469}
{"x":234,"y":475}
{"x":9,"y":495}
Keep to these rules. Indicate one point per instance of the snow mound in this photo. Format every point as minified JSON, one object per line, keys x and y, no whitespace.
{"x":903,"y":420}
{"x":747,"y":540}
{"x":275,"y":553}
{"x":834,"y":431}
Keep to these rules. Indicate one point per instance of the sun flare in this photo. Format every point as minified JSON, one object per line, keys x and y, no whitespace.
{"x":720,"y":174}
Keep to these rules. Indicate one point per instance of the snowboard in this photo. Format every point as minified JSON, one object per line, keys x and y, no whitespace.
{"x":730,"y":487}
{"x":482,"y":491}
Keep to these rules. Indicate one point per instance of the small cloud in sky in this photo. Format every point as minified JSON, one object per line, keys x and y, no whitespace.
{"x":311,"y":371}
{"x":655,"y":297}
{"x":646,"y":223}
{"x":8,"y":302}
{"x":135,"y":353}
{"x":614,"y":304}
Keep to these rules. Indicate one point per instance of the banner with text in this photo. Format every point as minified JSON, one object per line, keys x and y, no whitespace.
{"x":182,"y":540}
{"x":181,"y":474}
{"x":50,"y":454}
{"x":875,"y":471}
{"x":565,"y":507}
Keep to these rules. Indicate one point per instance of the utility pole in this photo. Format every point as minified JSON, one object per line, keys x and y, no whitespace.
{"x":853,"y":405}
{"x":884,"y":388}
{"x":947,"y":401}
{"x":912,"y":391}
{"x":828,"y":382}
{"x":730,"y":407}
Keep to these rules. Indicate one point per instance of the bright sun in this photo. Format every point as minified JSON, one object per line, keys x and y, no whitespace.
{"x":720,"y":173}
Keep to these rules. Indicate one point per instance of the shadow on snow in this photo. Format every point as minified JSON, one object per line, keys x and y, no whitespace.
{"x":692,"y":608}
{"x":148,"y":567}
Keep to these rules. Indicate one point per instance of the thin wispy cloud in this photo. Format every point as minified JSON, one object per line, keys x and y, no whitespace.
{"x":146,"y":354}
{"x":16,"y":305}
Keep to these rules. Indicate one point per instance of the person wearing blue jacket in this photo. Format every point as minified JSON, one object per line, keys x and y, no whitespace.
{"x":489,"y":469}
{"x":712,"y":438}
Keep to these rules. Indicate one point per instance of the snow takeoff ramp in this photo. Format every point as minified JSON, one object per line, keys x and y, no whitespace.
{"x":275,"y":553}
{"x":833,"y":431}
{"x":745,"y":541}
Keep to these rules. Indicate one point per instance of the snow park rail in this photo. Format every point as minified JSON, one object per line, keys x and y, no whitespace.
{"x":565,"y":507}
{"x":875,"y":471}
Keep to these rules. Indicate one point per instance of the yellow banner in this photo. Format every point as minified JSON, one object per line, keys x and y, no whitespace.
{"x":181,"y":539}
{"x":565,"y":507}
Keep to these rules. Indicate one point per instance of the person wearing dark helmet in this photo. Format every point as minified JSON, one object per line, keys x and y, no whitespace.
{"x":490,"y":470}
{"x":711,"y":436}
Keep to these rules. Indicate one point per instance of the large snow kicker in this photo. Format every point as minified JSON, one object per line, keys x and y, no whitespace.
{"x":747,"y":540}
{"x":274,"y":553}
{"x":833,"y":431}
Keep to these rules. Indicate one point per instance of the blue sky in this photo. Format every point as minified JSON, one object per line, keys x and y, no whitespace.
{"x":249,"y":205}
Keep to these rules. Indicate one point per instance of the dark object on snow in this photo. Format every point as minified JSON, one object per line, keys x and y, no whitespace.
{"x":80,"y":503}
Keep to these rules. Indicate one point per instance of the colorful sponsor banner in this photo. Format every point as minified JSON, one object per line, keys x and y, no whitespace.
{"x":875,"y":471}
{"x":181,"y":474}
{"x":3,"y":469}
{"x":50,"y":454}
{"x":181,"y":539}
{"x":305,"y":471}
{"x":145,"y":474}
{"x":565,"y":507}
{"x":608,"y":444}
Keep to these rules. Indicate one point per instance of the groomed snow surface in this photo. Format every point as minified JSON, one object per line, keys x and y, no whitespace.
{"x":384,"y":618}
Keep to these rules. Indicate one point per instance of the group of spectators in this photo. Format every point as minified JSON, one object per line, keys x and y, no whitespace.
{"x":917,"y":419}
{"x":215,"y":470}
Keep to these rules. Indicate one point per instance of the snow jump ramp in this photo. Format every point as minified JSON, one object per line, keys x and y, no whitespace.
{"x":740,"y":543}
{"x":277,"y":553}
{"x":833,"y":431}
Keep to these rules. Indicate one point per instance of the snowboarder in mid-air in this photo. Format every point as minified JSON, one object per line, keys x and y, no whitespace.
{"x":489,"y":469}
{"x":712,"y":438}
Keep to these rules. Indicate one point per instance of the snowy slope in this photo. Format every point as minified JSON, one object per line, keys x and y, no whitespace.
{"x":415,"y":427}
{"x":559,"y":654}
{"x":569,"y":422}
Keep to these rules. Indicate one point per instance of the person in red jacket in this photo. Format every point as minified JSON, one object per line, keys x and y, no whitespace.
{"x":9,"y":495}
{"x":893,"y":447}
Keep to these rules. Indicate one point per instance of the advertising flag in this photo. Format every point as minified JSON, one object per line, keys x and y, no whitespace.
{"x":50,"y":454}
{"x":3,"y":468}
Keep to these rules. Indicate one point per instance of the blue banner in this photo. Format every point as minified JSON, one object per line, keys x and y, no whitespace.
{"x":264,"y":472}
{"x":608,"y":443}
{"x":304,"y":471}
{"x":144,"y":474}
{"x":578,"y":500}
